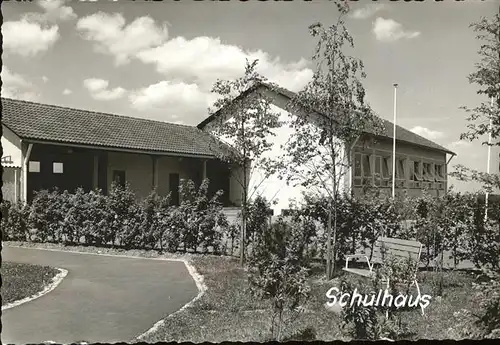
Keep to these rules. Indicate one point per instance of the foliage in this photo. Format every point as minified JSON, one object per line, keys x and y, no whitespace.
{"x":14,"y":221}
{"x":46,"y":215}
{"x":359,"y":321}
{"x":359,"y":221}
{"x":486,"y":322}
{"x":249,"y":130}
{"x":484,"y":118}
{"x":278,"y":269}
{"x":118,"y":219}
{"x":124,"y":215}
{"x":329,"y":114}
{"x":200,"y":216}
{"x":258,"y":216}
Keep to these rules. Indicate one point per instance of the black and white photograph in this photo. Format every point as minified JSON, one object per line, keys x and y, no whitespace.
{"x":250,"y":171}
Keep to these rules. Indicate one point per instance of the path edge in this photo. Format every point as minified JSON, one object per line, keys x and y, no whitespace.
{"x":56,"y":280}
{"x":202,"y":288}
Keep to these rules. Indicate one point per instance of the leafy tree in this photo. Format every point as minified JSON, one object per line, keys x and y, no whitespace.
{"x":487,"y":78}
{"x":245,"y":122}
{"x":330,"y":114}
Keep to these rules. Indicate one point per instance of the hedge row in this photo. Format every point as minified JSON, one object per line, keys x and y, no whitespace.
{"x":453,"y":222}
{"x":118,"y":219}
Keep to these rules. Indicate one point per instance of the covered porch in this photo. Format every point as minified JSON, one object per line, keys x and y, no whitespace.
{"x":67,"y":167}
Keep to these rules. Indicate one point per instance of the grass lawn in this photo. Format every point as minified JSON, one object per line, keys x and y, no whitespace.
{"x":228,"y":312}
{"x":22,"y":280}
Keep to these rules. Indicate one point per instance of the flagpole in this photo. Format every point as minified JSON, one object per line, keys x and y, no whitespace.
{"x":490,"y":128}
{"x":394,"y":145}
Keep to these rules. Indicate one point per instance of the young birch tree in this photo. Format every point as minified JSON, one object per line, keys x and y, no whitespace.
{"x":330,"y":114}
{"x":487,"y":78}
{"x":245,"y":121}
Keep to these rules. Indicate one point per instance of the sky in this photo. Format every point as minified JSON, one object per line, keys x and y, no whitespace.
{"x":158,"y":60}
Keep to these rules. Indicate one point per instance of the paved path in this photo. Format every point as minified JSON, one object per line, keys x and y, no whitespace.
{"x":102,"y":299}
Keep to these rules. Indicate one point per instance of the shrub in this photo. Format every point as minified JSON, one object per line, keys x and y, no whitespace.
{"x":155,"y":214}
{"x":14,"y":221}
{"x":359,"y":321}
{"x":96,"y":217}
{"x":47,"y":216}
{"x":125,"y":215}
{"x":198,"y":216}
{"x":278,"y":270}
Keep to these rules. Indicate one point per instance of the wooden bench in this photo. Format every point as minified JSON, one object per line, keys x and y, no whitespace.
{"x":382,"y":248}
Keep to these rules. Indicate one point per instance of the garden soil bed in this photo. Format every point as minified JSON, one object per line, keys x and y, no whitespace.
{"x":20,"y":281}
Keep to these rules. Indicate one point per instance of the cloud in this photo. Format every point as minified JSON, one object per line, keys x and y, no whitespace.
{"x":388,"y":30}
{"x":53,"y":11}
{"x":16,"y":86}
{"x":111,"y":36}
{"x":203,"y":60}
{"x":28,"y":39}
{"x":174,"y":100}
{"x":45,"y":79}
{"x":427,"y":133}
{"x":67,"y":92}
{"x":460,"y":144}
{"x":36,"y":32}
{"x":98,"y":89}
{"x":367,"y":11}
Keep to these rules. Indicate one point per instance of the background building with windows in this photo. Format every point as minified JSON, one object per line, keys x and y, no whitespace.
{"x":420,"y":163}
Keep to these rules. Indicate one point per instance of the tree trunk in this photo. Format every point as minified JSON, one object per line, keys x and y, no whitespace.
{"x":329,"y":243}
{"x":334,"y":218}
{"x":243,"y":218}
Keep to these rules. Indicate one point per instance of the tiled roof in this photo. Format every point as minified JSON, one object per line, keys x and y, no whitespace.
{"x":52,"y":123}
{"x":402,"y":134}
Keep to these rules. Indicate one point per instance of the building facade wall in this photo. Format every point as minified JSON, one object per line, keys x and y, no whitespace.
{"x":11,"y":177}
{"x":495,"y":163}
{"x":274,"y":188}
{"x":11,"y":146}
{"x":372,"y":165}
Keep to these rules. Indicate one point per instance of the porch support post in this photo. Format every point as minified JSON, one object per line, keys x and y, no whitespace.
{"x":95,"y":178}
{"x":204,"y":175}
{"x":16,"y":185}
{"x":155,"y":172}
{"x":26,"y":159}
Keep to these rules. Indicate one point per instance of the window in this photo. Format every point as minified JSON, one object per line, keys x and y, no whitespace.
{"x":378,"y":166}
{"x":34,"y":166}
{"x":357,"y":165}
{"x":427,"y":172}
{"x":119,"y":177}
{"x":57,"y":168}
{"x":400,"y":168}
{"x":439,"y":172}
{"x":416,"y":174}
{"x":385,"y":167}
{"x":367,"y":171}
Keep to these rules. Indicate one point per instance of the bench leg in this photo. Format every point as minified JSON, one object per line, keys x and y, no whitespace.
{"x":387,"y":311}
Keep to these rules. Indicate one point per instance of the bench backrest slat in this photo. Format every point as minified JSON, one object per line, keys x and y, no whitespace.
{"x":397,"y":247}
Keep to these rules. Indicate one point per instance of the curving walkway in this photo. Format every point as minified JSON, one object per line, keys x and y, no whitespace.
{"x":102,"y":299}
